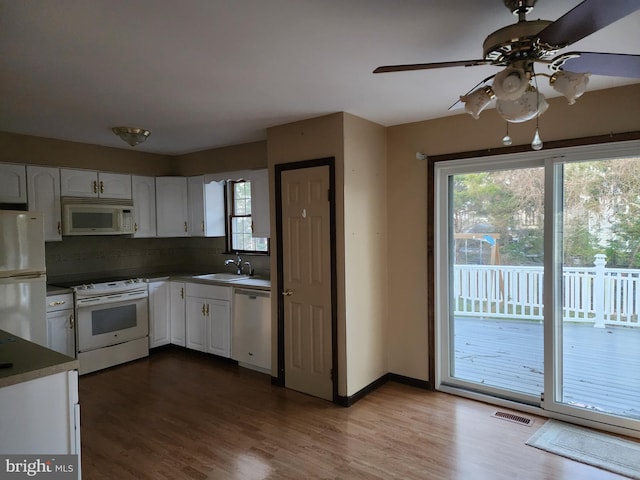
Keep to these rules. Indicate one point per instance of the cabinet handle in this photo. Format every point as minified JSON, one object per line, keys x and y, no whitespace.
{"x":59,"y":228}
{"x":95,"y":186}
{"x":101,"y":187}
{"x":203,"y":225}
{"x":72,"y":321}
{"x":288,"y":292}
{"x":185,"y":226}
{"x":207,"y":309}
{"x":181,"y":292}
{"x":135,"y":227}
{"x":57,"y":302}
{"x":204,"y":307}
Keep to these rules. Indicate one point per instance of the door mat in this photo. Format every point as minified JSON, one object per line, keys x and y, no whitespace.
{"x":589,"y":446}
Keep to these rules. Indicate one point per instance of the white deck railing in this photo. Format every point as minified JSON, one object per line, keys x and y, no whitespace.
{"x":597,"y":295}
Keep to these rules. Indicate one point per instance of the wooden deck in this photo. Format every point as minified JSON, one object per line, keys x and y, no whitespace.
{"x":601,"y":365}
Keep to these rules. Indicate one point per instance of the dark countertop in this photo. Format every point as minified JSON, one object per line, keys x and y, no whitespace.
{"x":57,"y":290}
{"x":258,"y":283}
{"x":30,"y":361}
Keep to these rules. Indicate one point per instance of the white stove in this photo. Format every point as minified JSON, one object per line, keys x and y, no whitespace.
{"x":112,"y":323}
{"x":108,"y":288}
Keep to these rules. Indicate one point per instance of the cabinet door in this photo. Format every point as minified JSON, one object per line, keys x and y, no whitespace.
{"x":196,"y":323}
{"x":43,"y":187}
{"x":196,"y":206}
{"x":171,"y":206}
{"x":78,"y":183}
{"x":178,"y":313}
{"x":143,"y":190}
{"x":159,"y":308}
{"x":13,"y":183}
{"x":61,"y":333}
{"x":219,"y":327}
{"x":260,"y":204}
{"x":214,"y":211}
{"x":114,"y":185}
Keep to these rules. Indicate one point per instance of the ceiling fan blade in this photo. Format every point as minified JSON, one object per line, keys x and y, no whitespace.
{"x":428,"y":66}
{"x":610,"y":64}
{"x":583,"y":20}
{"x":458,"y":104}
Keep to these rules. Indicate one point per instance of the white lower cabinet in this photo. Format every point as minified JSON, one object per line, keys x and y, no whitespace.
{"x":196,"y":323}
{"x":199,"y":317}
{"x":41,"y":416}
{"x":177,"y":313}
{"x":61,"y":324}
{"x":159,"y":310}
{"x":208,"y":318}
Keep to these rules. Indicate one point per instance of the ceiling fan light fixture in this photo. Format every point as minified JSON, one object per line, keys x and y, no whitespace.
{"x":569,"y":84}
{"x":528,"y":106}
{"x":477,"y":101}
{"x":131,"y":135}
{"x":510,"y":83}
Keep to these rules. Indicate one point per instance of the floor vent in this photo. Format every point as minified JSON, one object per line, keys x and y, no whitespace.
{"x":510,"y":417}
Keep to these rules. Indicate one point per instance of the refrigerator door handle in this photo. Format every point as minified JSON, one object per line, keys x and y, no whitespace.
{"x":26,"y":276}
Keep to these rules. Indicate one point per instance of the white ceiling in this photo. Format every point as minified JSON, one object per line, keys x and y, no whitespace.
{"x":207,"y":73}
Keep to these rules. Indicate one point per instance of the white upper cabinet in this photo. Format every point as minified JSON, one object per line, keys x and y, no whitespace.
{"x":43,"y":187}
{"x":206,"y":207}
{"x":172,"y":207}
{"x":143,"y":190}
{"x":114,"y":185}
{"x":13,"y":183}
{"x":260,"y":203}
{"x":195,"y":186}
{"x":88,"y":183}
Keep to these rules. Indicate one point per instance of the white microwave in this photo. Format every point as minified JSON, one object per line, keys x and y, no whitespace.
{"x":89,"y":217}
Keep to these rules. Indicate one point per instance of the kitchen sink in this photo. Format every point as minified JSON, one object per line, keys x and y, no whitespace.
{"x":222,"y":277}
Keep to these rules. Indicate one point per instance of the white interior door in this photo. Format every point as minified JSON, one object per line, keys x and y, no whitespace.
{"x":306,"y":247}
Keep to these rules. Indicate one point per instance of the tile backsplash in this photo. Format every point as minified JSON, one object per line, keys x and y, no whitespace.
{"x":83,"y":258}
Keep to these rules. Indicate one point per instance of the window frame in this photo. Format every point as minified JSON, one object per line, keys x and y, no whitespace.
{"x":229,"y":199}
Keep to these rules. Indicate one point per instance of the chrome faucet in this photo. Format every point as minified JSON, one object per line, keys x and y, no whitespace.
{"x":248,"y":264}
{"x":237,"y":263}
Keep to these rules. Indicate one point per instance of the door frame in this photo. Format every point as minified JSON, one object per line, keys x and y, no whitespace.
{"x":279,"y":169}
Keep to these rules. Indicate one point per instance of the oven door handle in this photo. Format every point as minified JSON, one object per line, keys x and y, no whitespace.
{"x":116,"y":298}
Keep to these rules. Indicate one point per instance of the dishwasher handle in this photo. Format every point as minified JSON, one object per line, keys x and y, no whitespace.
{"x":252,"y":294}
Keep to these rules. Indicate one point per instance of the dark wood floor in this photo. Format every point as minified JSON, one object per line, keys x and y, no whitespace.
{"x":184,"y":415}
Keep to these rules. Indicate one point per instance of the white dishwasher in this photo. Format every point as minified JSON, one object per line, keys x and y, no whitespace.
{"x":251,"y":330}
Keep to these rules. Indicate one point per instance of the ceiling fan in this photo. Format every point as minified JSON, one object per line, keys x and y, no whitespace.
{"x":519,"y":46}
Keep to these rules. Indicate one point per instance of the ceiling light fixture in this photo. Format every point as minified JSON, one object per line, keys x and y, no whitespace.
{"x":517,"y":100}
{"x":133,"y":136}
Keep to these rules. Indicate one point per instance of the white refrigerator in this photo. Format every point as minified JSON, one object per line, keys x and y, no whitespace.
{"x":23,"y":281}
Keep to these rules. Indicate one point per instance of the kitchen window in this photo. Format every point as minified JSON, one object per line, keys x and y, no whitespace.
{"x":240,"y":225}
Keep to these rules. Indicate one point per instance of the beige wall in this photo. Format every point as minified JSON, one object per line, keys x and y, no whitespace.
{"x":307,"y":140}
{"x":225,"y":159}
{"x":60,"y":153}
{"x":365,"y":239}
{"x":27,"y":149}
{"x":359,"y":148}
{"x":596,"y":113}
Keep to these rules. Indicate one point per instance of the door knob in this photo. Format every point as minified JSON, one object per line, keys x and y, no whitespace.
{"x":288,"y":292}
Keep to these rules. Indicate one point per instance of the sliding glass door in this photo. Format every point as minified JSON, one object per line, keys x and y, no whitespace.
{"x":594,"y":340}
{"x":538,"y":280}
